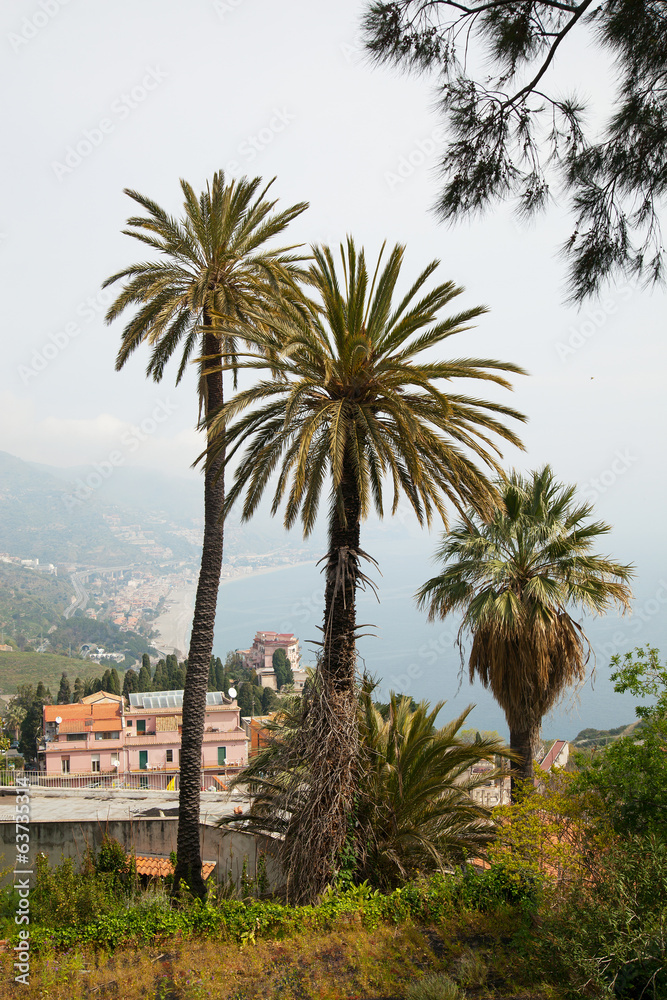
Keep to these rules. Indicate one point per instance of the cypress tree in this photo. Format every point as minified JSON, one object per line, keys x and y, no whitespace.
{"x":64,"y":691}
{"x":130,"y":683}
{"x":144,"y":682}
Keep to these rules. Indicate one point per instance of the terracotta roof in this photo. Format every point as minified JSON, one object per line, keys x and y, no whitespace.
{"x":553,"y":755}
{"x":103,"y":710}
{"x":106,"y":725}
{"x":159,"y":867}
{"x":101,"y":696}
{"x":72,"y":726}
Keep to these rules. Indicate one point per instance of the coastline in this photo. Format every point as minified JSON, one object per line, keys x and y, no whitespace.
{"x":266,"y":571}
{"x":174,"y":625}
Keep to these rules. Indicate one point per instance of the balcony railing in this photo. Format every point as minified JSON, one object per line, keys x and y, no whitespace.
{"x":152,"y":780}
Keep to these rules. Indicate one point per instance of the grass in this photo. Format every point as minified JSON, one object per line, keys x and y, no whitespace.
{"x":345,"y":963}
{"x":31,"y":668}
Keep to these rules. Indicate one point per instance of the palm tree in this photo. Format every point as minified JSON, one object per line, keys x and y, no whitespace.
{"x":214,"y":282}
{"x":514,"y":577}
{"x":348,"y":403}
{"x":414,"y":812}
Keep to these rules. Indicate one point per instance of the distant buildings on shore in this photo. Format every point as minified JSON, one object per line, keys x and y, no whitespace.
{"x":259,"y":657}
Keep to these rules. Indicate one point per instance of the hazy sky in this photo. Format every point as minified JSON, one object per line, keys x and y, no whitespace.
{"x":119,"y":93}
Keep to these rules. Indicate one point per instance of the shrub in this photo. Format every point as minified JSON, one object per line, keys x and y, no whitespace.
{"x":609,"y":931}
{"x":433,"y":987}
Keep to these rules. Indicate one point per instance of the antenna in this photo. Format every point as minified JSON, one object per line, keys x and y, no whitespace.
{"x":232,"y":692}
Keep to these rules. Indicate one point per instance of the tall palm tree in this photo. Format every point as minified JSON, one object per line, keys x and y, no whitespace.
{"x":215,"y":280}
{"x":349,"y":402}
{"x":514,"y":578}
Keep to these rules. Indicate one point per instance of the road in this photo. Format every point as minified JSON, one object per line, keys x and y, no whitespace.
{"x":81,"y":596}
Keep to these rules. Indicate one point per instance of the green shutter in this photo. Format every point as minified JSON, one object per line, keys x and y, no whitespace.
{"x":222,"y":755}
{"x":143,"y":760}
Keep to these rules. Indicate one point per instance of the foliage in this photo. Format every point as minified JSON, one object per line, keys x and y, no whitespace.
{"x":250,"y":699}
{"x":64,"y":691}
{"x":18,"y":669}
{"x":509,"y":134}
{"x":31,"y":602}
{"x":62,"y":897}
{"x":433,"y":987}
{"x":98,"y":915}
{"x":514,"y":578}
{"x":545,"y":834}
{"x":282,"y":669}
{"x":32,"y":725}
{"x":412,"y":809}
{"x":414,"y":813}
{"x":608,"y":932}
{"x":630,"y":776}
{"x":270,"y":701}
{"x":349,"y":378}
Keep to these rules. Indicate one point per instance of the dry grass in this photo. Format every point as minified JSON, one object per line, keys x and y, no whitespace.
{"x":344,"y":964}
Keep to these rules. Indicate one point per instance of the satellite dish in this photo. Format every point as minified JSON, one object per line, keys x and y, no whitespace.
{"x":115,"y":763}
{"x":58,"y":720}
{"x":232,"y":692}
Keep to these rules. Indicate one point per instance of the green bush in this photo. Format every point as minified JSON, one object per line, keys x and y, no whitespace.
{"x":609,"y":930}
{"x":61,"y":896}
{"x":500,"y":884}
{"x":84,"y":908}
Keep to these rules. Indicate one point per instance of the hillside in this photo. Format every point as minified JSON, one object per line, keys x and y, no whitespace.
{"x":49,"y":513}
{"x":40,"y":519}
{"x":31,"y":602}
{"x":31,"y":668}
{"x":588,"y":738}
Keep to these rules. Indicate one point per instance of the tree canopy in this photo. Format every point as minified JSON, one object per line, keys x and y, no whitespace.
{"x":515,"y":578}
{"x":515,"y":128}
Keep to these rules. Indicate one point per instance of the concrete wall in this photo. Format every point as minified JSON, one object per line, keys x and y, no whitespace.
{"x":60,"y":840}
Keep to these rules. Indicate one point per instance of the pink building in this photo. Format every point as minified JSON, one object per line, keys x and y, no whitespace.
{"x":260,"y":655}
{"x":101,"y":735}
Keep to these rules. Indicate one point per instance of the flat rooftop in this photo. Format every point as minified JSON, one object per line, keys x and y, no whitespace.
{"x":49,"y":805}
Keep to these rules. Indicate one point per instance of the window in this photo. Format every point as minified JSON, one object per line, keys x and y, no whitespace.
{"x":71,"y":737}
{"x":170,"y":756}
{"x":95,"y":762}
{"x":130,"y":722}
{"x":108,"y":736}
{"x":141,"y":726}
{"x":222,"y":755}
{"x":64,"y":761}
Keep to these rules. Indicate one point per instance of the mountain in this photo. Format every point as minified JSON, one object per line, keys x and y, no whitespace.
{"x":75,"y":515}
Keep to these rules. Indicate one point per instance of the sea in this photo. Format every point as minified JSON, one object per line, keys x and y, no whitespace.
{"x":407,"y":654}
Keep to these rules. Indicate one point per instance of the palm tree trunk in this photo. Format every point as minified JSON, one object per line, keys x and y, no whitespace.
{"x":523,"y":742}
{"x":188,"y":867}
{"x":339,"y":655}
{"x":328,"y":735}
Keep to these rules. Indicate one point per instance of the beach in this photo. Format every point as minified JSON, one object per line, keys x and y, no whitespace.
{"x":175,"y":623}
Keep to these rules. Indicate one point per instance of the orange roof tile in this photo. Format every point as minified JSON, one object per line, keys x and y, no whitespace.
{"x":103,"y":710}
{"x":157,"y":867}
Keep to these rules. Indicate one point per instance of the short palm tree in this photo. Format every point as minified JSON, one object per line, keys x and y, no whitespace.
{"x":413,"y":809}
{"x":514,"y":578}
{"x":214,"y":281}
{"x":350,"y":402}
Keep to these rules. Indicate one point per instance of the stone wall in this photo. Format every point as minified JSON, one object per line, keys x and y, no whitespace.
{"x":60,"y":840}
